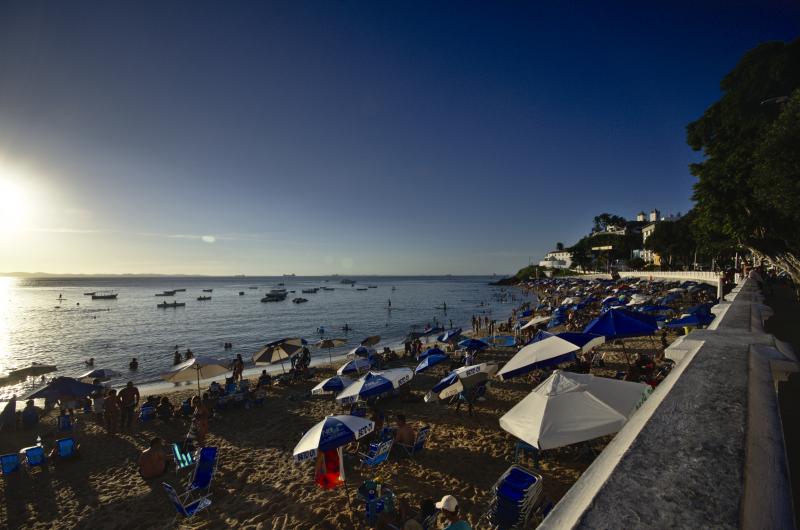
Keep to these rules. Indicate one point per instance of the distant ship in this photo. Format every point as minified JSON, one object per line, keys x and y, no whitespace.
{"x":290,"y":275}
{"x":104,"y":295}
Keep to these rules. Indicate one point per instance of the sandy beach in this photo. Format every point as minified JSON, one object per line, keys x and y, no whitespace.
{"x":257,"y":484}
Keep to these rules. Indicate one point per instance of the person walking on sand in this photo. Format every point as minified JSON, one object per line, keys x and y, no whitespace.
{"x":199,"y":427}
{"x":129,"y":399}
{"x":111,"y":410}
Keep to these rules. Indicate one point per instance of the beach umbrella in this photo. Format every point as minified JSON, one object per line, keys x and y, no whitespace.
{"x":430,"y":360}
{"x":568,"y":408}
{"x":430,"y":351}
{"x":356,"y":365}
{"x":536,"y":320}
{"x":362,"y":351}
{"x":278,"y":351}
{"x":329,"y":344}
{"x":544,"y":353}
{"x":585,"y":341}
{"x":332,"y":385}
{"x":461,"y":379}
{"x":540,"y":335}
{"x":103,"y":374}
{"x":684,"y":321}
{"x":473,"y":344}
{"x":449,"y":335}
{"x":197,"y":368}
{"x":620,"y":323}
{"x":63,"y":387}
{"x":331,"y":433}
{"x":372,"y":340}
{"x":374,"y":384}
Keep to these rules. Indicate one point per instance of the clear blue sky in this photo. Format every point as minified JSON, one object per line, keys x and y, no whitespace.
{"x":348,"y":137}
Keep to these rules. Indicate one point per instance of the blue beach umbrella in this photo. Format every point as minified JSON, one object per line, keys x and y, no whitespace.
{"x":461,"y":379}
{"x":332,"y":385}
{"x":449,"y":335}
{"x":620,"y":324}
{"x":374,"y":384}
{"x":430,"y":360}
{"x":540,"y":335}
{"x":62,"y":387}
{"x":430,"y":351}
{"x":545,"y":353}
{"x":356,"y":365}
{"x":331,"y":433}
{"x":473,"y":344}
{"x":362,"y":351}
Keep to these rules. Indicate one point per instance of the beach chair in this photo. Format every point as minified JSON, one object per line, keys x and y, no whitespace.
{"x":517,"y":495}
{"x":34,"y":456}
{"x":419,"y":444}
{"x":147,"y":414}
{"x":184,"y":508}
{"x":66,"y":448}
{"x":204,"y":470}
{"x":377,"y":453}
{"x":230,"y":388}
{"x":182,"y":459}
{"x":64,"y":423}
{"x":186,"y":408}
{"x":9,"y":463}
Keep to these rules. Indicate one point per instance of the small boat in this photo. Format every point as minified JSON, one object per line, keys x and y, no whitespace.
{"x":372,"y":286}
{"x":166,"y":293}
{"x":347,"y":282}
{"x":202,"y":298}
{"x":241,"y":293}
{"x":208,"y":290}
{"x":329,"y":288}
{"x":361,"y":288}
{"x":165,"y":305}
{"x":394,"y":288}
{"x":280,"y":284}
{"x":310,"y":291}
{"x":180,"y":290}
{"x":89,"y":294}
{"x":104,"y":295}
{"x":299,"y":300}
{"x":275,"y":295}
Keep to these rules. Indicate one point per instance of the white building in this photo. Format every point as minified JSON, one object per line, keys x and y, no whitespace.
{"x":557,"y":259}
{"x":647,"y":231}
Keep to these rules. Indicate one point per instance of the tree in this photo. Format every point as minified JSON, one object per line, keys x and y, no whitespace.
{"x":673,"y":241}
{"x":559,"y":246}
{"x":606,"y":220}
{"x":748,"y":186}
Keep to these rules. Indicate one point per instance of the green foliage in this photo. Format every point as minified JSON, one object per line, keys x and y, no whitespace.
{"x":606,"y":220}
{"x":747,"y":189}
{"x":636,"y":263}
{"x":559,"y":246}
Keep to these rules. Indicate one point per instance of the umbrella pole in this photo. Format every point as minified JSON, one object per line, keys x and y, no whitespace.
{"x":330,"y":357}
{"x":198,"y":383}
{"x":627,"y":359}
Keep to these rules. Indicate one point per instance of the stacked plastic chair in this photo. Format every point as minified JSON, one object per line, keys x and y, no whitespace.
{"x":517,"y":494}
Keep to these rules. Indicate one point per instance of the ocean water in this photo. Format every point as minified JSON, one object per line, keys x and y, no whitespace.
{"x":50,"y":320}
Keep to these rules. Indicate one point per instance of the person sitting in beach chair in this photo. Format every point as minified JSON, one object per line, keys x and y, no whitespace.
{"x":449,"y":507}
{"x":264,"y":380}
{"x":165,"y":410}
{"x":419,"y":443}
{"x":153,"y":461}
{"x":215,"y":389}
{"x":404,"y":434}
{"x":30,"y":415}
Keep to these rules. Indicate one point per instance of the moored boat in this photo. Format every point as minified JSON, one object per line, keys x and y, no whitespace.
{"x":208,"y":290}
{"x":166,"y":293}
{"x":104,"y":295}
{"x":165,"y":305}
{"x":299,"y":300}
{"x":202,"y":298}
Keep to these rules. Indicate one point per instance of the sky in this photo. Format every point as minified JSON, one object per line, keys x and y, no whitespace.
{"x":348,"y":137}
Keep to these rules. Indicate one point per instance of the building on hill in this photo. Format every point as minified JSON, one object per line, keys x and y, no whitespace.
{"x":557,"y":259}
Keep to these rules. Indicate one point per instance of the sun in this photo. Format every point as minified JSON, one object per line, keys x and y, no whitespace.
{"x":14,"y":206}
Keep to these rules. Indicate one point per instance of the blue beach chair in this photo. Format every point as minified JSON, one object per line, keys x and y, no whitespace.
{"x":147,"y":414}
{"x":517,"y":494}
{"x":377,"y":453}
{"x":204,"y":470}
{"x":66,"y":448}
{"x":187,"y":510}
{"x":9,"y":463}
{"x":419,"y":444}
{"x":34,"y":456}
{"x":64,"y":423}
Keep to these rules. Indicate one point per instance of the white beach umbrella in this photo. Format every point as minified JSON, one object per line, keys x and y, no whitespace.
{"x":569,"y":408}
{"x":546,"y":352}
{"x":331,"y":433}
{"x":332,"y":385}
{"x":278,"y":351}
{"x":374,"y":384}
{"x":536,"y":320}
{"x":196,"y":368}
{"x":461,"y":379}
{"x":356,"y":365}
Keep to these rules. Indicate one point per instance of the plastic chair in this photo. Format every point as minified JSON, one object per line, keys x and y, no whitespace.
{"x":377,"y":454}
{"x":34,"y":456}
{"x":9,"y":463}
{"x":419,"y":444}
{"x":66,"y":447}
{"x":187,"y":510}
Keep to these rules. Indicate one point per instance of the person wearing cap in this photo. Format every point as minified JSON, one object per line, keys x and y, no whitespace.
{"x":449,"y":507}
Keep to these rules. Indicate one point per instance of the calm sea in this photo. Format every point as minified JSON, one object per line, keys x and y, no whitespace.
{"x":50,"y":320}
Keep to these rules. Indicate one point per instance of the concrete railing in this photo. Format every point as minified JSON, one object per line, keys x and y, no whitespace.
{"x":706,"y":449}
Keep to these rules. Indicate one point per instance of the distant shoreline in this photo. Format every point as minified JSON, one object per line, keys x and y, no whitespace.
{"x":160,"y":275}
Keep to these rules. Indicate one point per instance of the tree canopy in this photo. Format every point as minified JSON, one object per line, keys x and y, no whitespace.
{"x":748,"y":186}
{"x":607,"y":220}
